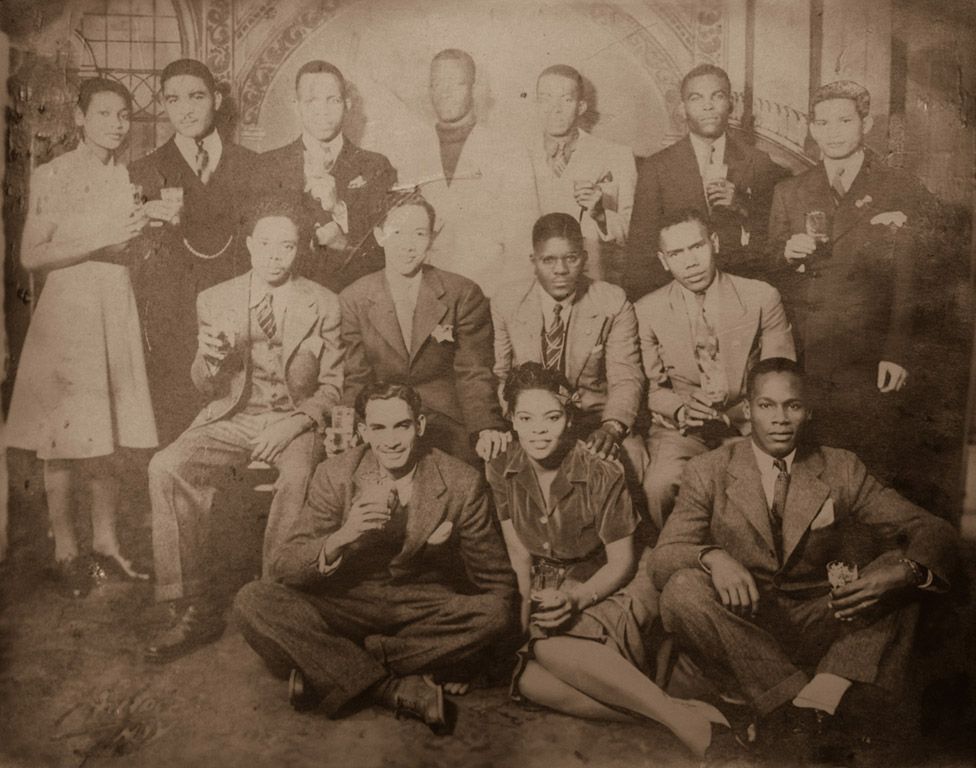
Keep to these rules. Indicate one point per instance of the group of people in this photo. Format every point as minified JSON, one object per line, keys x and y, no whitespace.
{"x":614,"y":440}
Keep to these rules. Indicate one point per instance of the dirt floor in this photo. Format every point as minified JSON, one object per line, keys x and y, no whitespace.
{"x":75,"y":691}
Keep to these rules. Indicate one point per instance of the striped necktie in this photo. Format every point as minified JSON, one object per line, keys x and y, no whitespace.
{"x":837,"y":185}
{"x":202,"y":162}
{"x":553,"y":357}
{"x":266,"y":318}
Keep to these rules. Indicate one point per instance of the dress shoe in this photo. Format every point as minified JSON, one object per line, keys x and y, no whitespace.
{"x":116,"y":568}
{"x":301,"y":695}
{"x":417,"y":696}
{"x":196,"y":627}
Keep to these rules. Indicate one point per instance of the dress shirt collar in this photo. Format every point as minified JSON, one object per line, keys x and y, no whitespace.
{"x":211,"y":143}
{"x":404,"y":486}
{"x":568,"y":142}
{"x":400,"y":285}
{"x":711,"y":298}
{"x":703,"y":150}
{"x":548,"y":303}
{"x":765,"y":461}
{"x":281,"y":293}
{"x":850,"y":165}
{"x":315,"y":147}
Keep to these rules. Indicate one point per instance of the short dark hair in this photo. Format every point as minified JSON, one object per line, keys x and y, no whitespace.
{"x":563,"y":70}
{"x":533,"y":375}
{"x":190,"y":67}
{"x":92,"y":85}
{"x":285,"y":206}
{"x":843,"y":89}
{"x":456,"y":54}
{"x":681,"y":216}
{"x":557,"y":225}
{"x":319,"y":67}
{"x":388,"y":390}
{"x":405,"y":199}
{"x":771,"y":365}
{"x":706,"y":69}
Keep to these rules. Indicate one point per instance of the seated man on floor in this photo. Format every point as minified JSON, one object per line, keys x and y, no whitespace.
{"x":270,"y":361}
{"x":394,"y":579}
{"x":759,"y":566}
{"x":699,"y":334}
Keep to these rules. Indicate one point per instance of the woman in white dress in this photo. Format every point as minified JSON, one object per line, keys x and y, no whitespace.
{"x":81,"y":391}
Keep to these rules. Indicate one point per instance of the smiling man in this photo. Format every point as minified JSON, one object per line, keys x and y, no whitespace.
{"x":743,"y":563}
{"x":343,"y":187}
{"x":394,"y":579}
{"x":269,"y":363}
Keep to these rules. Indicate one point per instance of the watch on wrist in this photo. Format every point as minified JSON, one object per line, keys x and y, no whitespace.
{"x":919,"y":576}
{"x":619,"y":430}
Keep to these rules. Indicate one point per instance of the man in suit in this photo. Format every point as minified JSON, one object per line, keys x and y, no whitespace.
{"x":852,"y":294}
{"x":194,"y":242}
{"x":711,"y":171}
{"x":583,"y":328}
{"x":429,"y":328}
{"x":699,"y":335}
{"x":580,"y":174}
{"x":394,"y":578}
{"x":344,"y":187}
{"x":270,"y":362}
{"x":478,"y":180}
{"x":743,"y":564}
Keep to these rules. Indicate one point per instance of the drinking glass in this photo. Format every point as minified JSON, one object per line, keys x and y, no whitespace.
{"x":817,"y":225}
{"x":840,"y":573}
{"x":173,"y":195}
{"x":546,"y":579}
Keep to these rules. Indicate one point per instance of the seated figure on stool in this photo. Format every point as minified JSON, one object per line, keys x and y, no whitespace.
{"x":394,"y":578}
{"x":270,"y":361}
{"x":743,"y":562}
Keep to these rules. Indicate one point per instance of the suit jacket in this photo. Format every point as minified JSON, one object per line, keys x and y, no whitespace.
{"x":363,"y":181}
{"x":311,"y":349}
{"x":854,"y":309}
{"x":449,"y":500}
{"x":485,"y":215}
{"x":752,"y":325}
{"x":449,"y":360}
{"x":832,"y":500}
{"x":596,"y":160}
{"x":601,"y":352}
{"x":669,"y":181}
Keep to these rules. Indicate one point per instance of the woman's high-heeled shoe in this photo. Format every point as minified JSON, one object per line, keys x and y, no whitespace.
{"x":117,"y":567}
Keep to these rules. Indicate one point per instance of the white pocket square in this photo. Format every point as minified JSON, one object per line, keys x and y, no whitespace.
{"x":356,"y":183}
{"x":441,"y":533}
{"x":824,"y":517}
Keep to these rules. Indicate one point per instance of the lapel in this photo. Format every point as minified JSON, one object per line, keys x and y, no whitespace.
{"x":426,"y":510}
{"x":679,"y":345}
{"x":735,"y":333}
{"x":528,"y":325}
{"x":344,"y":168}
{"x":745,"y":492}
{"x":586,"y":327}
{"x":847,"y":213}
{"x":688,"y":170}
{"x":382,"y":314}
{"x":737,"y":161}
{"x":469,"y":163}
{"x":429,"y":312}
{"x":293,"y":161}
{"x":300,"y":315}
{"x":174,"y":169}
{"x":238,"y":308}
{"x":806,"y":496}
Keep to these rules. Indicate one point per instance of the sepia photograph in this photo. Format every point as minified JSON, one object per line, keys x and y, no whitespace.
{"x":488,"y":384}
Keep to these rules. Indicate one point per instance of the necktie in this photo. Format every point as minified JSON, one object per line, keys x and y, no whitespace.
{"x":202,"y":161}
{"x":558,"y":159}
{"x":266,"y":318}
{"x":553,"y":357}
{"x":837,"y":185}
{"x":780,"y":490}
{"x":328,"y":161}
{"x":714,"y":381}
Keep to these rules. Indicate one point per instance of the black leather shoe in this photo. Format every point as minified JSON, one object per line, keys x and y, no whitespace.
{"x":419,"y":697}
{"x":301,"y":695}
{"x":196,"y":627}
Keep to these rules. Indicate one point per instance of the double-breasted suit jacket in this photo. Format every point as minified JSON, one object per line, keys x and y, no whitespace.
{"x":363,"y":182}
{"x":312,"y":353}
{"x":602,"y":359}
{"x":670,"y":180}
{"x":751,"y":325}
{"x":449,"y":362}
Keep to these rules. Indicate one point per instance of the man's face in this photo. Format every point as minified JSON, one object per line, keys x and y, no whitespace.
{"x":558,"y":265}
{"x":190,"y":105}
{"x":321,"y":106}
{"x":777,"y":412}
{"x":559,"y":104}
{"x":838,"y":129}
{"x":273,"y":246}
{"x":707,"y":106}
{"x":392,"y":433}
{"x":451,"y":90}
{"x":404,"y":238}
{"x":687,"y":251}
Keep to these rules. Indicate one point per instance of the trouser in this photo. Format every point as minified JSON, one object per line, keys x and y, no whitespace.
{"x":768,"y":653}
{"x":346,"y":642}
{"x":183,"y":480}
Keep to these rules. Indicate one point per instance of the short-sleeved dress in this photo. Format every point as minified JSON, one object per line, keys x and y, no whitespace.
{"x":589,"y":508}
{"x":81,"y":388}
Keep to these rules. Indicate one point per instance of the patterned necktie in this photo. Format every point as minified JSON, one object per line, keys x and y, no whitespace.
{"x":266,"y":318}
{"x":558,"y":159}
{"x":780,"y":491}
{"x":553,"y":356}
{"x":837,"y":185}
{"x":202,"y":161}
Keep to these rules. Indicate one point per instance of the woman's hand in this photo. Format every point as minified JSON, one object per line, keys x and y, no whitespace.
{"x":555,"y":608}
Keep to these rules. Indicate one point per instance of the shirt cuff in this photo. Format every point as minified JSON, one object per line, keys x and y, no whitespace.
{"x":327,"y":569}
{"x":701,"y":553}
